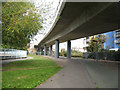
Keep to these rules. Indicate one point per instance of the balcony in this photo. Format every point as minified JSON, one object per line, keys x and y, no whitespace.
{"x":117,"y":41}
{"x":117,"y":35}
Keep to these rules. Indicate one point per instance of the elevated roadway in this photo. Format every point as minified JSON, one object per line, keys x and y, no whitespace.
{"x":81,"y":19}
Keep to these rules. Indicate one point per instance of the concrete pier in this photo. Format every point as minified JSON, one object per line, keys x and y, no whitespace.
{"x":68,"y":49}
{"x":57,"y":49}
{"x":45,"y":49}
{"x":50,"y":50}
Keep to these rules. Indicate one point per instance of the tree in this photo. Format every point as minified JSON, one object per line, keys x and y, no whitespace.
{"x":20,"y":22}
{"x":96,"y":44}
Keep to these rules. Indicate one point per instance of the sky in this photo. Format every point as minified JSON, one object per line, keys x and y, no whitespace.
{"x":51,"y":15}
{"x":51,"y":7}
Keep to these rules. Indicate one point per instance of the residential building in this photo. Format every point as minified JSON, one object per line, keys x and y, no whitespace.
{"x":117,"y":39}
{"x":113,"y":40}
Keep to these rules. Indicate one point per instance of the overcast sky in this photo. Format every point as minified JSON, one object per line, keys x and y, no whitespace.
{"x":52,"y":12}
{"x":51,"y":7}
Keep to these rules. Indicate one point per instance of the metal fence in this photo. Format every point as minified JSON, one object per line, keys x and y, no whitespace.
{"x":110,"y":55}
{"x":12,"y":53}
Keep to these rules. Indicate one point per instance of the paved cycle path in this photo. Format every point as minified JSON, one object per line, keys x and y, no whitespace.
{"x":80,"y":73}
{"x":104,"y":75}
{"x":73,"y":75}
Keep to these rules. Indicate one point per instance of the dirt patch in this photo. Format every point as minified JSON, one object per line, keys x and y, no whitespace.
{"x":25,"y":68}
{"x":21,"y":77}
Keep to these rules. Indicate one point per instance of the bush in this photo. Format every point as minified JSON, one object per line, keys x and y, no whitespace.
{"x":92,"y":55}
{"x":106,"y":55}
{"x":75,"y":53}
{"x":63,"y":53}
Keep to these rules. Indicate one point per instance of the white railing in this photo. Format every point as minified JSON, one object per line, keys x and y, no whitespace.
{"x":12,"y":53}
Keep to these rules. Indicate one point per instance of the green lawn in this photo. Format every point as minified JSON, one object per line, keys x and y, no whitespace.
{"x":44,"y":68}
{"x":33,"y":63}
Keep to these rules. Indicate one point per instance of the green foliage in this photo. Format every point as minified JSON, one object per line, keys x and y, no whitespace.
{"x":96,"y":43}
{"x":63,"y":53}
{"x":20,"y":22}
{"x":29,"y":78}
{"x":75,"y":53}
{"x":105,"y":55}
{"x":119,"y":49}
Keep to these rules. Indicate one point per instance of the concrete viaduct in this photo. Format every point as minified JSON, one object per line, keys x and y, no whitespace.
{"x":81,"y":19}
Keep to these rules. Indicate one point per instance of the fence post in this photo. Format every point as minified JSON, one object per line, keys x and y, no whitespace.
{"x":4,"y":53}
{"x":20,"y":55}
{"x":16,"y":54}
{"x":11,"y":53}
{"x":97,"y":56}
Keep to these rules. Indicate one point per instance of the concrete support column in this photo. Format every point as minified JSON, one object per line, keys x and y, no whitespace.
{"x":69,"y":49}
{"x":40,"y":49}
{"x":57,"y":49}
{"x":45,"y":49}
{"x":50,"y":50}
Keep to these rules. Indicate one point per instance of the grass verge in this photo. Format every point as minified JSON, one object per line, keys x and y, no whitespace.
{"x":28,"y":78}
